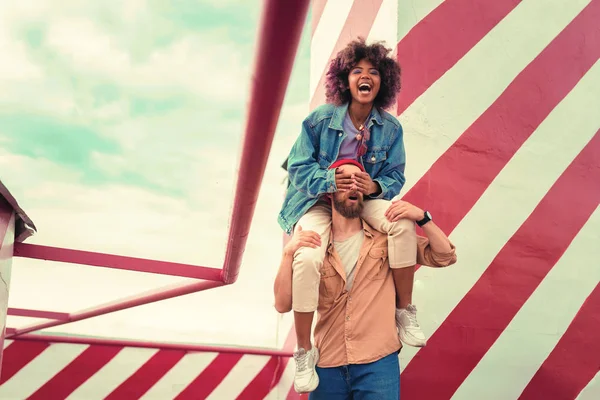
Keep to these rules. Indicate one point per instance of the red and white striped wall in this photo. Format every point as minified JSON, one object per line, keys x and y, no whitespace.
{"x":499,"y":108}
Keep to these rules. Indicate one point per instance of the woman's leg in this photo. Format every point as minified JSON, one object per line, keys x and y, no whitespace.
{"x":306,"y":278}
{"x":402,"y":250}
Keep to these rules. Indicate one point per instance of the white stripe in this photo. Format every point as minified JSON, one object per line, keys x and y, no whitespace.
{"x":180,"y":376}
{"x":411,"y":12}
{"x":40,"y":370}
{"x":385,"y":26}
{"x":509,"y":200}
{"x":7,"y":342}
{"x":325,"y":37}
{"x":533,"y":333}
{"x":592,"y":390}
{"x":239,"y":377}
{"x":113,"y":374}
{"x":438,"y":117}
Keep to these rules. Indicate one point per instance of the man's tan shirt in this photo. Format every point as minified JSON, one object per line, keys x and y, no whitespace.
{"x":358,"y":326}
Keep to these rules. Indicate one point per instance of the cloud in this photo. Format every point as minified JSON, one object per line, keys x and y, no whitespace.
{"x":202,"y":64}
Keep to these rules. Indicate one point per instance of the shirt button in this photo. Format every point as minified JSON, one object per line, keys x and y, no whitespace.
{"x":347,"y":318}
{"x":340,"y":134}
{"x":373,"y":158}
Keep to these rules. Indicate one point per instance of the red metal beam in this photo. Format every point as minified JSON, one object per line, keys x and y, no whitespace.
{"x":280,"y":32}
{"x":113,"y":261}
{"x":122,"y":304}
{"x":24,"y":312}
{"x":155,"y":345}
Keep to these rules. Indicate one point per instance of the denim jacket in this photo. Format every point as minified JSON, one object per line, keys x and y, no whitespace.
{"x":317,"y":148}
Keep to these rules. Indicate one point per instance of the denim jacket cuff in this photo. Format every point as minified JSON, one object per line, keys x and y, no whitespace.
{"x":383,"y":189}
{"x":330,"y":181}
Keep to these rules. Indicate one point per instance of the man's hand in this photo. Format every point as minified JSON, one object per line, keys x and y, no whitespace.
{"x":343,"y":181}
{"x":364,"y":183}
{"x":302,"y":239}
{"x":403,"y":209}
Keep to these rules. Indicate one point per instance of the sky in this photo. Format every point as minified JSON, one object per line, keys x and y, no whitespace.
{"x":120,"y":132}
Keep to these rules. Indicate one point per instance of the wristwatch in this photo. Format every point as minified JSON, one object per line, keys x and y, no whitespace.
{"x":425,"y":219}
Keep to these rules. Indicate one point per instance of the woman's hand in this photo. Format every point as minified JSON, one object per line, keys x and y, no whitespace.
{"x":403,"y":209}
{"x":302,"y":239}
{"x":364,"y":183}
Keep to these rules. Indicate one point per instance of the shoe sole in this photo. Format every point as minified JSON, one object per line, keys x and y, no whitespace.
{"x":314,"y":383}
{"x":410,"y":340}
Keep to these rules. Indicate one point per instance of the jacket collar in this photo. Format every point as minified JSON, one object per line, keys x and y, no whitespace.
{"x":339,"y":113}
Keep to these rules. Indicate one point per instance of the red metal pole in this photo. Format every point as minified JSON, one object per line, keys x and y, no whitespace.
{"x":26,"y":312}
{"x":155,"y":345}
{"x":114,"y":261}
{"x":281,"y":28}
{"x":122,"y":304}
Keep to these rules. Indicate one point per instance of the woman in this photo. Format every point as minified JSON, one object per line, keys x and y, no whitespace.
{"x":362,"y":81}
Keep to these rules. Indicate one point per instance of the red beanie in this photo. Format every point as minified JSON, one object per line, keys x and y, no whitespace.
{"x":339,"y":163}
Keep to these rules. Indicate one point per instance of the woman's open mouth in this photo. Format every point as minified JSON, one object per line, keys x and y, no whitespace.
{"x":364,"y":88}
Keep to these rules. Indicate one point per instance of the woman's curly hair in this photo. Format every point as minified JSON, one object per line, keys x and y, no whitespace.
{"x":337,"y":90}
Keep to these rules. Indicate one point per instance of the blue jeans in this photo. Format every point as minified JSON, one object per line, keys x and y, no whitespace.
{"x":379,"y":380}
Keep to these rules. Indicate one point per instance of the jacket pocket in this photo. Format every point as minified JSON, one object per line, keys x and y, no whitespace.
{"x":375,"y":157}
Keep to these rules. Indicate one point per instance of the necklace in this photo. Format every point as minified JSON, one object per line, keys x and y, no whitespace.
{"x":360,"y":128}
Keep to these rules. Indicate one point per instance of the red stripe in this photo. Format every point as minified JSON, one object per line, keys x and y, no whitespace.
{"x":461,"y":175}
{"x":264,"y":381}
{"x":210,"y":378}
{"x":574,"y":361}
{"x":487,"y":309}
{"x":442,"y":38}
{"x":359,"y":22}
{"x":147,"y":375}
{"x":18,"y":355}
{"x":77,"y":372}
{"x":317,"y":7}
{"x":292,"y":395}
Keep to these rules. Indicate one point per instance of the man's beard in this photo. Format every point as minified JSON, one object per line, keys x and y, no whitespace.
{"x":349,"y":212}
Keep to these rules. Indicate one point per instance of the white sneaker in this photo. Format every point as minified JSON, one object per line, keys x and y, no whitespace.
{"x":408,"y":328}
{"x":306,"y":378}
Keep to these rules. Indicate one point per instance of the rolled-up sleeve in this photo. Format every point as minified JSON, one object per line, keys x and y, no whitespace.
{"x":426,"y":256}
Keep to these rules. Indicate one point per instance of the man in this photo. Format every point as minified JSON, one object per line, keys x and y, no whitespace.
{"x":356,"y":339}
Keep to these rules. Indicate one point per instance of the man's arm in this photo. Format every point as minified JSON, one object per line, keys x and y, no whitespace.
{"x":434,"y":250}
{"x":438,"y":240}
{"x":283,"y":280}
{"x":283,"y":284}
